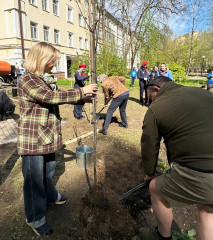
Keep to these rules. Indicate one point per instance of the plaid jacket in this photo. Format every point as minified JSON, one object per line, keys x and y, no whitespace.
{"x":113,"y":87}
{"x":39,"y":126}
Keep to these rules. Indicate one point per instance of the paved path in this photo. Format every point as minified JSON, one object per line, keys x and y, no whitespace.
{"x":8,"y":131}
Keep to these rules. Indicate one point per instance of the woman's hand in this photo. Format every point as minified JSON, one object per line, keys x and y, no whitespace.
{"x":90,"y":89}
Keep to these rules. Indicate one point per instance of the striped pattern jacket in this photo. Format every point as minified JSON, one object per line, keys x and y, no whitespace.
{"x":39,"y":126}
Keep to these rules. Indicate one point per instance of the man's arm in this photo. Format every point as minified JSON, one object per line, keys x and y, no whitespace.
{"x":150,"y":143}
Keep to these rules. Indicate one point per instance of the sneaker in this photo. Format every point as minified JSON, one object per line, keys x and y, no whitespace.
{"x":45,"y":229}
{"x":62,"y":200}
{"x":151,"y":234}
{"x":104,"y":132}
{"x":123,"y":125}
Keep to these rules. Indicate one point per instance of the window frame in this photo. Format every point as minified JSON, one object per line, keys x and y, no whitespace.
{"x":70,"y":16}
{"x":47,"y":30}
{"x":70,"y":39}
{"x":56,"y":31}
{"x":33,"y":3}
{"x":35,"y":27}
{"x":46,"y":8}
{"x":56,"y":8}
{"x":81,"y":43}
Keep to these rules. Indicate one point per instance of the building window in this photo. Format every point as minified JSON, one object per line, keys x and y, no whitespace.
{"x":34,"y":30}
{"x":45,"y":5}
{"x":46,"y":34}
{"x":69,"y":14}
{"x":86,"y":23}
{"x":56,"y":36}
{"x":59,"y":64}
{"x":81,"y":43}
{"x":70,"y":39}
{"x":86,"y":3}
{"x":55,"y":8}
{"x":81,"y":20}
{"x":33,"y":2}
{"x":86,"y":44}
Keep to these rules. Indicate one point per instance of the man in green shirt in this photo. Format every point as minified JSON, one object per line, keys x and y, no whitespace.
{"x":183,"y":117}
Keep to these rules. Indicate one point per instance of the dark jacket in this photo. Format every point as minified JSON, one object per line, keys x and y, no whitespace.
{"x":183,"y":117}
{"x":80,"y":80}
{"x":142,"y":73}
{"x":7,"y":107}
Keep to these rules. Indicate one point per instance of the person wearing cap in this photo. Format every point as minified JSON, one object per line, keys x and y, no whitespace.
{"x":143,"y":76}
{"x":80,"y":81}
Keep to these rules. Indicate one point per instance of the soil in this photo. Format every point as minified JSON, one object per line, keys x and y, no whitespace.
{"x":93,"y":212}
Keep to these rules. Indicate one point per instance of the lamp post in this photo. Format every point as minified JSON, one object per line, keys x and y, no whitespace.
{"x":203,"y":57}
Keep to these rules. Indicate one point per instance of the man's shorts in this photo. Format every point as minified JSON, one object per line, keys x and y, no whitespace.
{"x":182,"y":186}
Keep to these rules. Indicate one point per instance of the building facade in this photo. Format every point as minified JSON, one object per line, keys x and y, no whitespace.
{"x":63,"y":23}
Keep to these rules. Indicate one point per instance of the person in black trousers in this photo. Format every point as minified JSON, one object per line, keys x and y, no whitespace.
{"x":80,"y":81}
{"x":143,"y":76}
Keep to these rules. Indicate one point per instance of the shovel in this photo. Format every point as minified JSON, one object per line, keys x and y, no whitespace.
{"x":127,"y":194}
{"x":98,"y":115}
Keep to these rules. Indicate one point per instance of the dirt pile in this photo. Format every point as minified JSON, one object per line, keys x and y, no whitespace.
{"x":102,"y":215}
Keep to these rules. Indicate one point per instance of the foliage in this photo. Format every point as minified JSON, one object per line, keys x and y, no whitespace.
{"x":107,"y":62}
{"x":64,"y":82}
{"x":178,"y":71}
{"x":180,"y":236}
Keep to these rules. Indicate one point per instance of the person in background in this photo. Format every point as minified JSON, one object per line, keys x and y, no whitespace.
{"x":39,"y":132}
{"x":80,"y":81}
{"x":114,"y":88}
{"x":153,"y":73}
{"x":182,"y":116}
{"x":143,"y":76}
{"x":133,"y":75}
{"x":164,"y":71}
{"x":210,"y":80}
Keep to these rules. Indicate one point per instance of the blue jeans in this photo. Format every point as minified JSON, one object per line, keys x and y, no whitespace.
{"x":121,"y":102}
{"x":38,"y":187}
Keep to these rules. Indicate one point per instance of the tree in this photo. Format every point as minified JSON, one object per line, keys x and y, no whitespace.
{"x":132,"y":14}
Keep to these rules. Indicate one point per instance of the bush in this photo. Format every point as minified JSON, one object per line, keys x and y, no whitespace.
{"x":178,"y":72}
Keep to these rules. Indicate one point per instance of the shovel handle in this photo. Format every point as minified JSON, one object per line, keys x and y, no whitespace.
{"x":127,"y":194}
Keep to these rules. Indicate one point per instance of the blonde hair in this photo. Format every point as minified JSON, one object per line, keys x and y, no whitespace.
{"x":39,"y":56}
{"x":167,"y":68}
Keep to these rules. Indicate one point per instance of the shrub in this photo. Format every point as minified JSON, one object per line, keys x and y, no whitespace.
{"x":178,"y":72}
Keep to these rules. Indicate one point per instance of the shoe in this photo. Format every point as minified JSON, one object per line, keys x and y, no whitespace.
{"x":79,"y":118}
{"x":62,"y":200}
{"x":104,"y":132}
{"x":45,"y":229}
{"x":123,"y":125}
{"x":151,"y":234}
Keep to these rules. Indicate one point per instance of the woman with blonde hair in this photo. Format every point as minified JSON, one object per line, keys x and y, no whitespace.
{"x":164,"y":71}
{"x":39,"y":133}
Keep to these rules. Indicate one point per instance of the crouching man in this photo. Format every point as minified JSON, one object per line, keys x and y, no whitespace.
{"x":183,"y":117}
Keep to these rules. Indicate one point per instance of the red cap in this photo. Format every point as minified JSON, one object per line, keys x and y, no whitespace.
{"x":82,"y":66}
{"x":144,"y":63}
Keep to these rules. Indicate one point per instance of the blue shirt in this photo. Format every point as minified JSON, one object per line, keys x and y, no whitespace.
{"x":166,"y":74}
{"x":210,"y":77}
{"x":133,"y":73}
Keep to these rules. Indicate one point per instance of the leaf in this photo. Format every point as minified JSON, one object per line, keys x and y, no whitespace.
{"x":191,"y":233}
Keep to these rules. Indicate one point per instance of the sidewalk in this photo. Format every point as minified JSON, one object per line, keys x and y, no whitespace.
{"x":8,"y":131}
